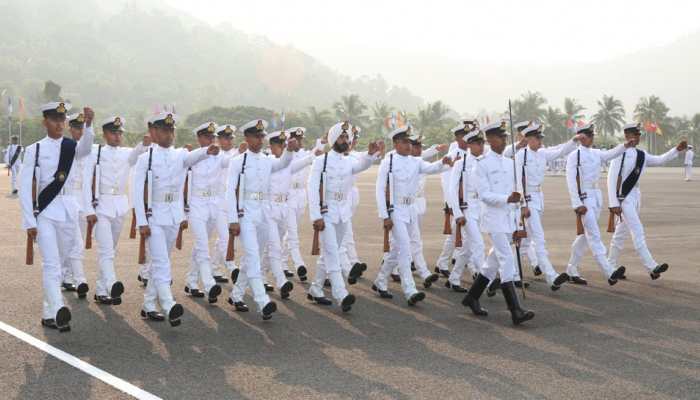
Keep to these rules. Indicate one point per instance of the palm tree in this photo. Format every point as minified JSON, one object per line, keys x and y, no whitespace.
{"x":434,"y":123}
{"x":610,"y":116}
{"x":555,"y":123}
{"x":529,"y":107}
{"x":651,"y":109}
{"x":572,"y":109}
{"x":316,"y":121}
{"x":350,"y":108}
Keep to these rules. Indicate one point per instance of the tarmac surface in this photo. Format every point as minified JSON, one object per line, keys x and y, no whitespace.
{"x":639,"y":339}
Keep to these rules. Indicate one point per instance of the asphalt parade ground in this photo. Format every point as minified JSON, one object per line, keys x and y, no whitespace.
{"x":639,"y":339}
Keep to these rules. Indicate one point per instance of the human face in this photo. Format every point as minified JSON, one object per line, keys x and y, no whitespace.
{"x":402,"y":146}
{"x":226,"y":142}
{"x":341,"y":145}
{"x":255,"y":142}
{"x":476,"y":148}
{"x":497,"y":142}
{"x":461,"y":142}
{"x":205,"y":139}
{"x":633,"y":137}
{"x":587,"y":140}
{"x":164,"y":136}
{"x":416,"y":150}
{"x":75,"y":133}
{"x":534,"y":142}
{"x":55,"y":125}
{"x":277,"y":148}
{"x":112,"y":138}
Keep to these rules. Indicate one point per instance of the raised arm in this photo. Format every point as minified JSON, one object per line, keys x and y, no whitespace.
{"x":283,"y":161}
{"x":194,"y":156}
{"x":561,"y":150}
{"x":429,"y":153}
{"x":362,"y":162}
{"x":302,"y":162}
{"x":653,"y":160}
{"x":135,"y":153}
{"x":606,"y":155}
{"x":434,"y":167}
{"x":84,"y":147}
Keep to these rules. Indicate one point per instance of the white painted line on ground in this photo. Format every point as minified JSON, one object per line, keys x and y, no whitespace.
{"x":104,"y":376}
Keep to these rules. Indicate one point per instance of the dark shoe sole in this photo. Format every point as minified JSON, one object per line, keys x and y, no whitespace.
{"x":347,"y":302}
{"x":174,"y":315}
{"x":416,"y":298}
{"x":82,"y":290}
{"x":286,"y":289}
{"x":214,"y":292}
{"x":267,"y":311}
{"x":63,"y":317}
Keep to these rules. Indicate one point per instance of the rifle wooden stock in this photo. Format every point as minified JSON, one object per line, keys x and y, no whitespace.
{"x":132,"y":230}
{"x":315,"y":245}
{"x":579,"y":224}
{"x":178,"y":240}
{"x":142,"y":249}
{"x":230,"y":251}
{"x":88,"y":235}
{"x":458,"y":235}
{"x":447,"y":228}
{"x":387,"y":248}
{"x":29,"y":260}
{"x":611,"y":222}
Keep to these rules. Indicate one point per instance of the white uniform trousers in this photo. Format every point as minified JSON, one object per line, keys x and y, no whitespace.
{"x":221,"y":246}
{"x":529,"y":250}
{"x":201,"y":225}
{"x":160,"y":243}
{"x":449,"y":251}
{"x":253,"y":239}
{"x":473,"y":248}
{"x":348,"y":252}
{"x":535,"y":234}
{"x":54,"y":239}
{"x":590,"y":238}
{"x":630,"y":224}
{"x":416,"y":252}
{"x":276,"y":262}
{"x":72,"y":269}
{"x":107,"y":231}
{"x":402,"y":243}
{"x":500,"y":259}
{"x":291,"y":247}
{"x":145,"y":268}
{"x":331,"y":239}
{"x":688,"y":172}
{"x":14,"y":172}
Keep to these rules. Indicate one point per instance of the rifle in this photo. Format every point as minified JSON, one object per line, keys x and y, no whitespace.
{"x":183,"y":225}
{"x":611,"y":219}
{"x":230,"y":250}
{"x":147,"y":195}
{"x":582,"y":196}
{"x":447,"y":227}
{"x":315,"y":245}
{"x":29,"y":257}
{"x":519,"y":233}
{"x":95,"y":197}
{"x":132,"y":230}
{"x":388,"y":197}
{"x":462,"y":204}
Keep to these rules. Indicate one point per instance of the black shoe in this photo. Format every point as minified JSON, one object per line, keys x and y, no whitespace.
{"x":415,"y":298}
{"x":384,"y":294}
{"x":49,"y":323}
{"x":145,"y":282}
{"x":267,"y":311}
{"x":234,"y":275}
{"x":239,"y":305}
{"x":355,"y":273}
{"x":139,"y":278}
{"x":194,"y":292}
{"x":454,"y":261}
{"x":413,"y":266}
{"x":347,"y":302}
{"x":152,"y":316}
{"x":106,"y":300}
{"x":116,"y":293}
{"x":559,"y":280}
{"x":285,"y":289}
{"x":577,"y":280}
{"x":656,"y":273}
{"x":519,"y":284}
{"x":319,"y":300}
{"x":327,"y":283}
{"x":471,"y":300}
{"x":174,"y":315}
{"x":269,"y":288}
{"x":364,"y":266}
{"x":493,"y":287}
{"x":214,"y":293}
{"x":395,"y":277}
{"x":616,"y":275}
{"x":288,"y":274}
{"x":62,"y":320}
{"x":301,"y":273}
{"x":82,"y":290}
{"x":68,"y":287}
{"x":428,"y":282}
{"x":443,"y":272}
{"x":455,"y":288}
{"x":220,"y":279}
{"x":517,"y":314}
{"x":537,"y":271}
{"x":15,"y":191}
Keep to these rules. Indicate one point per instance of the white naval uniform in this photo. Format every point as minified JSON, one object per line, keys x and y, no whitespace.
{"x":448,"y":248}
{"x":57,"y":223}
{"x":535,"y":165}
{"x":340,"y":170}
{"x":591,"y":162}
{"x":14,"y":170}
{"x":631,"y":223}
{"x":205,"y":191}
{"x":348,"y":251}
{"x":253,"y":224}
{"x":72,"y":262}
{"x":406,"y":173}
{"x":112,"y":205}
{"x":471,"y":211}
{"x":297,"y":206}
{"x":168,"y":168}
{"x":222,"y":220}
{"x":688,"y":164}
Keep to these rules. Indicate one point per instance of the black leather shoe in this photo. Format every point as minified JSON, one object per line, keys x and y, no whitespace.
{"x":267,"y":311}
{"x":234,"y":275}
{"x":455,"y":288}
{"x":517,"y":313}
{"x":454,"y":261}
{"x":519,"y":284}
{"x":415,"y":298}
{"x":214,"y":292}
{"x":537,"y":271}
{"x":428,"y":282}
{"x":220,"y":279}
{"x":413,"y":266}
{"x":616,"y":275}
{"x":288,"y":274}
{"x":493,"y":287}
{"x":152,"y":316}
{"x":656,"y":273}
{"x":384,"y":294}
{"x":443,"y":272}
{"x":319,"y":300}
{"x":49,"y":323}
{"x":301,"y":273}
{"x":62,"y":320}
{"x":106,"y":300}
{"x":395,"y":277}
{"x":194,"y":292}
{"x":559,"y":280}
{"x":285,"y":289}
{"x":471,"y":300}
{"x":116,"y":293}
{"x":355,"y":273}
{"x":347,"y":302}
{"x":327,"y":283}
{"x":239,"y":305}
{"x":364,"y":266}
{"x":82,"y":290}
{"x":577,"y":280}
{"x":68,"y":287}
{"x":174,"y":315}
{"x":269,"y":288}
{"x":145,"y":282}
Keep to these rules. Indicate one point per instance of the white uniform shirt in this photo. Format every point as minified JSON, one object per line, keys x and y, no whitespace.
{"x":535,"y":168}
{"x":630,"y":164}
{"x":453,"y":153}
{"x":297,"y":190}
{"x":9,"y":153}
{"x":281,"y":182}
{"x":469,"y":189}
{"x":689,"y":154}
{"x":591,"y":162}
{"x":494,"y":184}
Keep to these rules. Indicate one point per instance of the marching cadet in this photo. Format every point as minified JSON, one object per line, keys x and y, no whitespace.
{"x":531,"y":162}
{"x":107,"y":203}
{"x":50,"y":216}
{"x":499,"y":200}
{"x":203,"y":200}
{"x":396,"y":189}
{"x":330,"y":209}
{"x":624,"y":198}
{"x":297,"y":206}
{"x":246,"y":191}
{"x":688,"y":163}
{"x":583,"y":168}
{"x":72,"y":264}
{"x":466,"y":208}
{"x":12,"y":161}
{"x":145,"y":268}
{"x":158,"y":178}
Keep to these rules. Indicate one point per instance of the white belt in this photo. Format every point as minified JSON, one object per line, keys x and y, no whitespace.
{"x":406,"y":200}
{"x":473,"y":195}
{"x":279,"y":197}
{"x":111,"y":190}
{"x":258,"y":196}
{"x":68,"y":191}
{"x":166,"y":197}
{"x":589,"y":186}
{"x":337,"y":196}
{"x":534,"y":188}
{"x":205,"y":193}
{"x":297,"y":185}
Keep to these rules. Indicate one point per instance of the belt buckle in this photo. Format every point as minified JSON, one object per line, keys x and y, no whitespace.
{"x":169,"y":197}
{"x":337,"y":196}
